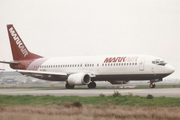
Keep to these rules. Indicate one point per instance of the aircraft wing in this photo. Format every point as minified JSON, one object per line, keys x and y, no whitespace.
{"x":44,"y":75}
{"x":8,"y":62}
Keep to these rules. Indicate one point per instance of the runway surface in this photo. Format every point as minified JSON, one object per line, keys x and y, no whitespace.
{"x":123,"y":89}
{"x":167,"y":92}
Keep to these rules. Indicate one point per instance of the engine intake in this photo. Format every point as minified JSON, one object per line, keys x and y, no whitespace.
{"x":79,"y":79}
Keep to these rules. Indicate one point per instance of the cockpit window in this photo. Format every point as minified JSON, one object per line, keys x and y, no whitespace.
{"x":159,"y":62}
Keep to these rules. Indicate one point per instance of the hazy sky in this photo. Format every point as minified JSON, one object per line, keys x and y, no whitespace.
{"x":94,"y":27}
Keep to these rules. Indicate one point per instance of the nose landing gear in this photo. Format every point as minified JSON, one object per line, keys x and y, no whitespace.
{"x":152,"y":85}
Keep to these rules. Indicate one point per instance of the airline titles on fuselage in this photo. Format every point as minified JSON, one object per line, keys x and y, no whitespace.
{"x":120,"y":59}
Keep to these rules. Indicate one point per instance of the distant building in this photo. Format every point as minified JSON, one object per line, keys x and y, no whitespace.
{"x":13,"y":77}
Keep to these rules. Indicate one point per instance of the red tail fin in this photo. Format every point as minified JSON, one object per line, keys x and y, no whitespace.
{"x":19,"y":50}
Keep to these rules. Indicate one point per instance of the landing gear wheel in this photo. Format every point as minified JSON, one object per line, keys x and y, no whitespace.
{"x":152,"y":85}
{"x":68,"y":86}
{"x":92,"y":85}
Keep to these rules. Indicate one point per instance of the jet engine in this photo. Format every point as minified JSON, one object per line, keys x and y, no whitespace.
{"x":119,"y":82}
{"x":79,"y":79}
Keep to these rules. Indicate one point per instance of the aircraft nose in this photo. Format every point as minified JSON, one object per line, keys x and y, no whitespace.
{"x":169,"y":68}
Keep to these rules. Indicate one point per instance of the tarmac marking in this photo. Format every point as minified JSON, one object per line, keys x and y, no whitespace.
{"x":121,"y":91}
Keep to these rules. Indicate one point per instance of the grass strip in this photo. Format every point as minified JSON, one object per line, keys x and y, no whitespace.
{"x":122,"y":100}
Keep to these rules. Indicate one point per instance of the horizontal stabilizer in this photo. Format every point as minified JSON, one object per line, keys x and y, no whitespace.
{"x":9,"y":62}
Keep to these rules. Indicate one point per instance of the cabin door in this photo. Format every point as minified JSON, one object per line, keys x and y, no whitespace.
{"x":141,"y":64}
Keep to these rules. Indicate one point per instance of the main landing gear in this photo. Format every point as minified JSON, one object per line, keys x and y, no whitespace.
{"x":152,"y":85}
{"x":92,"y":85}
{"x":68,"y":86}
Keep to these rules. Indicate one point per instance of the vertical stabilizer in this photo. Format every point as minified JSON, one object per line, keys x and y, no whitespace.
{"x":19,"y":50}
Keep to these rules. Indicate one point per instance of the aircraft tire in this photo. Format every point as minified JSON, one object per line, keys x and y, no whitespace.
{"x":152,"y":85}
{"x":92,"y":85}
{"x":68,"y":86}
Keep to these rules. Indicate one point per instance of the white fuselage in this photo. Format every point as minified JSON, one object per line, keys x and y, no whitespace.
{"x":117,"y":67}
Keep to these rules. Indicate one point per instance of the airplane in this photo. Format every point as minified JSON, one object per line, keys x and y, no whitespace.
{"x":85,"y":70}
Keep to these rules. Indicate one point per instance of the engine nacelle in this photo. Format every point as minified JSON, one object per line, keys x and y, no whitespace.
{"x":79,"y":79}
{"x":119,"y":82}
